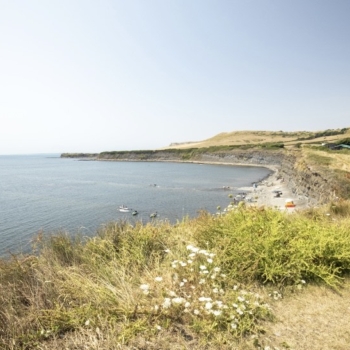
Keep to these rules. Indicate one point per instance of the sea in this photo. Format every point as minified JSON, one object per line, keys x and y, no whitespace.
{"x":47,"y":194}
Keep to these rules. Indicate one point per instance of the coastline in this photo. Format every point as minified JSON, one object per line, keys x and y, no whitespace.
{"x":262,"y":195}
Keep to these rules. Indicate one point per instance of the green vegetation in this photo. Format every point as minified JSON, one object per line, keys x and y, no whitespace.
{"x":208,"y":281}
{"x":345,"y":141}
{"x":324,"y":133}
{"x":319,"y":159}
{"x":183,"y":154}
{"x":79,"y":155}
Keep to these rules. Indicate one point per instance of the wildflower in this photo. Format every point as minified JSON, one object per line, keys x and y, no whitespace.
{"x":183,"y":263}
{"x":241,"y":299}
{"x":215,"y":290}
{"x":196,"y":312}
{"x":182,"y":284}
{"x":167,"y":250}
{"x":210,"y":261}
{"x":233,"y":325}
{"x":203,"y":267}
{"x":204,"y":299}
{"x":158,"y":327}
{"x":192,"y":248}
{"x":202,"y":281}
{"x":172,"y":294}
{"x":156,"y":307}
{"x":158,"y":279}
{"x":189,"y":261}
{"x":216,"y":269}
{"x":145,"y":288}
{"x":235,"y":287}
{"x":178,"y":300}
{"x":167,"y":303}
{"x":235,"y":305}
{"x":192,"y":255}
{"x":187,"y":304}
{"x":219,"y":304}
{"x":239,"y":311}
{"x":208,"y":305}
{"x":216,"y":312}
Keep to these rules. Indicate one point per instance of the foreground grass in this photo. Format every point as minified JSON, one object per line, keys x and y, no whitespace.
{"x":208,"y":283}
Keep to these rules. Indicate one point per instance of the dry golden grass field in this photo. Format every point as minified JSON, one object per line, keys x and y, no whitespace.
{"x":256,"y":137}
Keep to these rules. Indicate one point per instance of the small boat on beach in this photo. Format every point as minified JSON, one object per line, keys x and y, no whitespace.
{"x":153,"y":215}
{"x":135,"y":212}
{"x":289,"y":203}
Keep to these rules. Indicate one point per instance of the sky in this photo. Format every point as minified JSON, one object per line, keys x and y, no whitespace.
{"x":93,"y":76}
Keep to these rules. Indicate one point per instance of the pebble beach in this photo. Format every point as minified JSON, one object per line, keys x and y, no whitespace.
{"x":264,"y":194}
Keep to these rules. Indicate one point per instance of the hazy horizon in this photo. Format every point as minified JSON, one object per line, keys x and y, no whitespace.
{"x":82,"y":76}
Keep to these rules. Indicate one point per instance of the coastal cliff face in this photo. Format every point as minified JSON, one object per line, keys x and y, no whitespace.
{"x":315,"y":185}
{"x":306,"y":182}
{"x":251,"y":157}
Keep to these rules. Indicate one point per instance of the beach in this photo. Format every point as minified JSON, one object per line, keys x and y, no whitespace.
{"x":264,"y":193}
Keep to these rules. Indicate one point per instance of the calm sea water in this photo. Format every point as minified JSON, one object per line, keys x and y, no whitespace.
{"x":46,"y":193}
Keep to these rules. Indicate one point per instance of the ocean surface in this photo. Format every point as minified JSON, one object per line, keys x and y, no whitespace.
{"x":49,"y":194}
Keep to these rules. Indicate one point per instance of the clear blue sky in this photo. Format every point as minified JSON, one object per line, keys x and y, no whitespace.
{"x":92,"y":76}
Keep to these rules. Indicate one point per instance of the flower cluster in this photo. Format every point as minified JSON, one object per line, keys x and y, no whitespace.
{"x":199,"y":290}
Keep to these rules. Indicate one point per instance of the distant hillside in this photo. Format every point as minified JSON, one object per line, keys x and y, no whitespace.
{"x":236,"y":138}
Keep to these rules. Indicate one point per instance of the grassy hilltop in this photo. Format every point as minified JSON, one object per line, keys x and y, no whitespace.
{"x":253,"y":138}
{"x":248,"y":278}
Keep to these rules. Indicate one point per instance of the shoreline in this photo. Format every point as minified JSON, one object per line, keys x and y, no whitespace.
{"x":262,"y":195}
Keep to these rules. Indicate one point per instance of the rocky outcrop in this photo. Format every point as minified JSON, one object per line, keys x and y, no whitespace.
{"x":249,"y":157}
{"x":246,"y":157}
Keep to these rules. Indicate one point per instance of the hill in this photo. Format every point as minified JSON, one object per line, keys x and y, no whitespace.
{"x":258,"y":137}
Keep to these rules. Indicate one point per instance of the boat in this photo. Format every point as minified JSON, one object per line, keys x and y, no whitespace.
{"x":124,"y":209}
{"x":289,"y":203}
{"x":135,"y":212}
{"x":153,"y":215}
